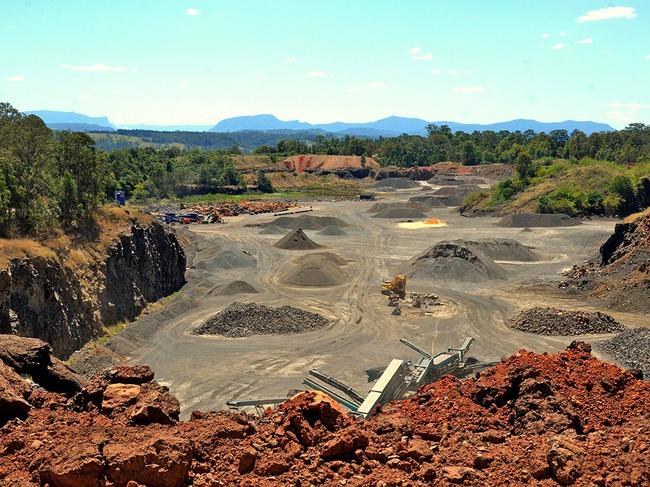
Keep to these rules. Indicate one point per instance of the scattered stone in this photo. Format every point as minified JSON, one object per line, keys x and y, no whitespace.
{"x":247,"y":319}
{"x":630,"y":348}
{"x":554,"y":321}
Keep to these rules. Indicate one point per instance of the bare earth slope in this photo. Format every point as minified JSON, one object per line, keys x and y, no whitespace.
{"x":620,"y":274}
{"x":549,"y":419}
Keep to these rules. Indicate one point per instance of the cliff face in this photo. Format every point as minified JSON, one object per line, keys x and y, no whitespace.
{"x":41,"y":297}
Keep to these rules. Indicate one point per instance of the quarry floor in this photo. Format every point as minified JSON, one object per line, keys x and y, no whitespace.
{"x":203,"y":372}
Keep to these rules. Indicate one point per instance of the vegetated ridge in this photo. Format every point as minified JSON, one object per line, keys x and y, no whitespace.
{"x":564,"y":418}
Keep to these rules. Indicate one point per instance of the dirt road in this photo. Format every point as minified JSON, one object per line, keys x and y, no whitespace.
{"x":204,"y":371}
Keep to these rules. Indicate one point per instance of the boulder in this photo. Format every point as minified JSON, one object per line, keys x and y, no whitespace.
{"x":344,"y":443}
{"x":81,"y":465}
{"x":162,"y":461}
{"x":33,"y":357}
{"x":14,"y":392}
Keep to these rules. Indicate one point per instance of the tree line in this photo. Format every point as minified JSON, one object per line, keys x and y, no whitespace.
{"x":58,"y":179}
{"x":627,"y":146}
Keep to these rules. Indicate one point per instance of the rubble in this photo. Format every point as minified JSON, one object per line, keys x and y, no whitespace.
{"x":561,"y":322}
{"x":533,"y":419}
{"x":631,"y":349}
{"x":247,"y":319}
{"x":221,"y":209}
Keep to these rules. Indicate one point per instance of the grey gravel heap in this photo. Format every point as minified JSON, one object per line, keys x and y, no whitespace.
{"x":247,"y":319}
{"x":560,"y":322}
{"x":630,"y":348}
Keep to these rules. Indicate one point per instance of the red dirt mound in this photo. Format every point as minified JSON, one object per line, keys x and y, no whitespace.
{"x":533,"y":419}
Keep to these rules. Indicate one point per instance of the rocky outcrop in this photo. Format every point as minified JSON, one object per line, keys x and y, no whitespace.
{"x":41,"y":297}
{"x":620,"y":274}
{"x":533,"y":419}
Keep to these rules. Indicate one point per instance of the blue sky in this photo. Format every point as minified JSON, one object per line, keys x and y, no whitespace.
{"x":199,"y":61}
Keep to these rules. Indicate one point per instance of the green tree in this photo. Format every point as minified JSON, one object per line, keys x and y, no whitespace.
{"x":469,"y":155}
{"x":264,"y":183}
{"x":524,"y":166}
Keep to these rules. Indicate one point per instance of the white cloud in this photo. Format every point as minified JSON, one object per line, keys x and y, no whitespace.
{"x":648,"y":57}
{"x":468,"y":89}
{"x":587,"y":40}
{"x":453,"y":72}
{"x":192,"y":12}
{"x":184,"y":84}
{"x":260,"y":75}
{"x":545,"y":35}
{"x":354,"y":90}
{"x":104,"y":68}
{"x":623,"y":112}
{"x":15,"y":78}
{"x":559,"y":46}
{"x":436,"y":71}
{"x":418,"y":54}
{"x":291,"y":59}
{"x":563,"y":34}
{"x":375,"y":85}
{"x":608,"y":13}
{"x":318,"y":74}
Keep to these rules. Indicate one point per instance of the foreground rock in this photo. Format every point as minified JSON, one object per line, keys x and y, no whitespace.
{"x":551,"y":419}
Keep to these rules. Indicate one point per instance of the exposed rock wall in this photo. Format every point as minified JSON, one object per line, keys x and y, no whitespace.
{"x":41,"y":297}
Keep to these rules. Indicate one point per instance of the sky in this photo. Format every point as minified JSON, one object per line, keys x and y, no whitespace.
{"x":200,"y":61}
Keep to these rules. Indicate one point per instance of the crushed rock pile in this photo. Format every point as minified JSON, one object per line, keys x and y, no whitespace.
{"x":631,"y":349}
{"x":619,"y":275}
{"x":316,"y":270}
{"x":233,"y":259}
{"x":400,"y":212}
{"x":455,"y":195}
{"x":307,"y":222}
{"x":272,"y":229}
{"x":454,"y":261}
{"x":528,"y":220}
{"x":296,"y":240}
{"x":332,"y":230}
{"x":392,"y":184}
{"x":503,"y":249}
{"x":248,"y":319}
{"x":563,"y":418}
{"x":561,"y":322}
{"x":428,"y":201}
{"x":235,"y":287}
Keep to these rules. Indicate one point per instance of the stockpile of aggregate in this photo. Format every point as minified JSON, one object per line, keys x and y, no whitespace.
{"x":455,"y":195}
{"x":400,"y":212}
{"x":528,"y":220}
{"x":272,"y":229}
{"x":316,"y":270}
{"x":307,"y":222}
{"x":505,"y":249}
{"x":454,"y":261}
{"x":389,"y":184}
{"x":235,"y":287}
{"x":428,"y":201}
{"x":233,"y":259}
{"x":630,"y":348}
{"x":248,"y":319}
{"x":561,"y":322}
{"x":296,"y":240}
{"x":332,"y":230}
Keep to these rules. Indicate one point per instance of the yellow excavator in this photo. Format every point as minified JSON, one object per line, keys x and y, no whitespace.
{"x":396,"y":287}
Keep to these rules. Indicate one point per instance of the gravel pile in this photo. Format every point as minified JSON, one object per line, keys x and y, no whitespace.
{"x":559,"y":322}
{"x":388,"y":184}
{"x":247,"y":319}
{"x":523,"y":220}
{"x":630,"y":348}
{"x":296,"y":240}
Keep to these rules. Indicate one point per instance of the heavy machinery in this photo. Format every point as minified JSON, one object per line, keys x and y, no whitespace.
{"x":399,"y":378}
{"x":396,"y":287}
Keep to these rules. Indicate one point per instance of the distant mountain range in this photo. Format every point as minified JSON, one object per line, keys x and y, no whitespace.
{"x":387,"y":127}
{"x":392,"y":126}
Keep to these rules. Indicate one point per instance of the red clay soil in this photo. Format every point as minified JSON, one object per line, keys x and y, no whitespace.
{"x":533,"y":419}
{"x":318,"y":162}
